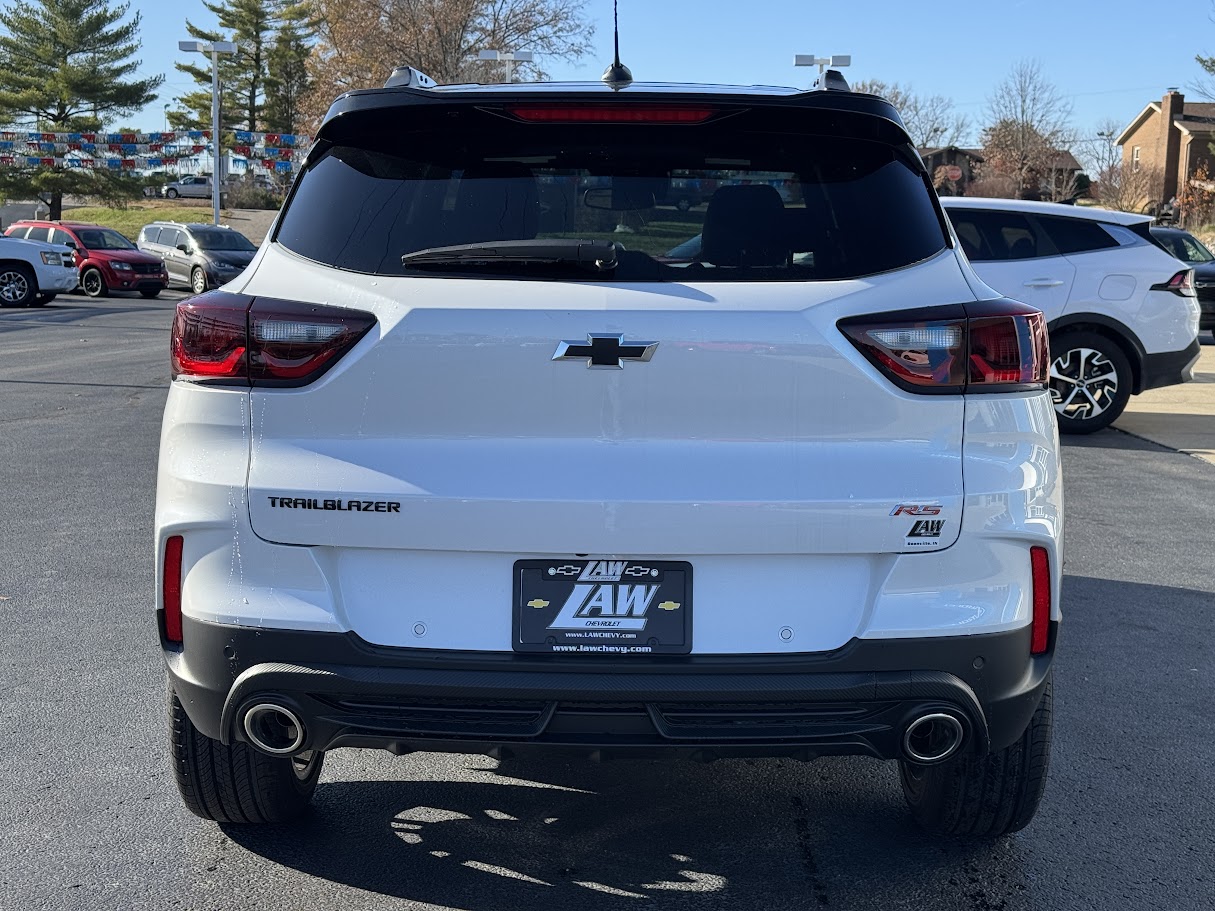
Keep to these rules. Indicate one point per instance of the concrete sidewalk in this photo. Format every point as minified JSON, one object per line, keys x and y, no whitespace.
{"x":1179,"y":417}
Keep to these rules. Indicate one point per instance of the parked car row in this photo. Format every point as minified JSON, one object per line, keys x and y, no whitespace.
{"x":34,"y":266}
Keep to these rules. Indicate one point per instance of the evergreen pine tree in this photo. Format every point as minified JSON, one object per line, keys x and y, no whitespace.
{"x":252,"y":24}
{"x":66,"y":66}
{"x":287,"y":81}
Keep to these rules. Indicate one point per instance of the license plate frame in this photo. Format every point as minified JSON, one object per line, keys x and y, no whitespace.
{"x":589,"y":606}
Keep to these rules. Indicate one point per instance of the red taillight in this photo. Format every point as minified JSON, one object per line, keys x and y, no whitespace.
{"x":171,"y":589}
{"x":1040,"y":628}
{"x":987,"y":347}
{"x":1182,"y":283}
{"x":262,"y":342}
{"x":610,"y":113}
{"x":209,"y":336}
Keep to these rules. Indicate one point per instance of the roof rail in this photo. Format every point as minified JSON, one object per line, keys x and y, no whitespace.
{"x":832,"y":81}
{"x":409,"y":77}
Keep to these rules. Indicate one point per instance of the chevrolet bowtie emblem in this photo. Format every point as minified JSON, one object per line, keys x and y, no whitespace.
{"x":604,"y":351}
{"x":669,"y":605}
{"x":537,"y":603}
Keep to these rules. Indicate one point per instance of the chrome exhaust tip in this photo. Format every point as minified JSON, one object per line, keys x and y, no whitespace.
{"x":274,"y":729}
{"x":933,"y":738}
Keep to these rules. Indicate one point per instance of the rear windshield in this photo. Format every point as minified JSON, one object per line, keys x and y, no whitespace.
{"x":733,"y":201}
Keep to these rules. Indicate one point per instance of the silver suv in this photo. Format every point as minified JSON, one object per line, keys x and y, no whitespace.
{"x":201,"y":256}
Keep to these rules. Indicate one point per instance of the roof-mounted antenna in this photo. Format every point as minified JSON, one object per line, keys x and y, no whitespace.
{"x":617,"y":76}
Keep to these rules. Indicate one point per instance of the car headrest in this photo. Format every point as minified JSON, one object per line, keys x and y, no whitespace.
{"x":745,"y":226}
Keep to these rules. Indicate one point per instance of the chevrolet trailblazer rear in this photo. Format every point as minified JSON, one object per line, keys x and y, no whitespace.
{"x":502,"y":445}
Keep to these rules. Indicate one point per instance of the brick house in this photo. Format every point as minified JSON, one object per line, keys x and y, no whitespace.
{"x":1170,"y":136}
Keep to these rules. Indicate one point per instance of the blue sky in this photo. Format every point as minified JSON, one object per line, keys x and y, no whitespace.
{"x":1109,"y":57}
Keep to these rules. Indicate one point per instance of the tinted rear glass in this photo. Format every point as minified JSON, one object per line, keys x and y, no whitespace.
{"x":38,"y":234}
{"x":1075,"y":235}
{"x":753,"y":198}
{"x":992,"y":235}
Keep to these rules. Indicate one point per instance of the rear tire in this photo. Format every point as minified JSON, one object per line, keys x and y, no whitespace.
{"x":984,"y":796}
{"x":1090,"y":381}
{"x":234,"y":782}
{"x":198,"y":281}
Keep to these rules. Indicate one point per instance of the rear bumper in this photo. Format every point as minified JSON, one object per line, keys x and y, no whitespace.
{"x":1170,"y":367}
{"x":856,"y":700}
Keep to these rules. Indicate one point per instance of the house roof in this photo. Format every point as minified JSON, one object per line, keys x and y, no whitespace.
{"x":1064,"y":161}
{"x":976,"y":154}
{"x":1196,"y":117}
{"x":1138,"y":121}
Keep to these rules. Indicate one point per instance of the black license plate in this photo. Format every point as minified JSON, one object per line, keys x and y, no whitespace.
{"x":603,"y":606}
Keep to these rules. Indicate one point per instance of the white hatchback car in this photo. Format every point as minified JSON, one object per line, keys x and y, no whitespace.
{"x":464,"y":462}
{"x":1121,"y":310}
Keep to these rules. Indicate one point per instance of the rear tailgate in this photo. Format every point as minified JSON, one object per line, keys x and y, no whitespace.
{"x":751,"y":430}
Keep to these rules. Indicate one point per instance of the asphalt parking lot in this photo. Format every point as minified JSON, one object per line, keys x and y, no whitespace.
{"x":89,"y":817}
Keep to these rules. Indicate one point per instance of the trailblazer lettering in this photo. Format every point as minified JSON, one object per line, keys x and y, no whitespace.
{"x":605,"y":606}
{"x":335,"y":505}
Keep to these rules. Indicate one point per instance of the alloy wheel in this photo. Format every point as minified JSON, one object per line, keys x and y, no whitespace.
{"x":91,"y":283}
{"x":1083,"y":383}
{"x":198,"y":282}
{"x":13,"y":286}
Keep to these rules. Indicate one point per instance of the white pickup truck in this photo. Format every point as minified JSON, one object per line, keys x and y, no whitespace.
{"x":33,"y":272}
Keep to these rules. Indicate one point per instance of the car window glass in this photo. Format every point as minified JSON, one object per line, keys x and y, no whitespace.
{"x":38,"y":234}
{"x":754,"y":201}
{"x":19,"y":233}
{"x":151,"y":234}
{"x":170,"y":237}
{"x":1076,"y":235}
{"x":1194,"y":251}
{"x":59,"y":236}
{"x":103,"y":239}
{"x":989,"y":235}
{"x":223,"y":240}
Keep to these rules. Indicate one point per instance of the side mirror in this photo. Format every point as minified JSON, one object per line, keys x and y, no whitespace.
{"x":184,"y":248}
{"x":70,"y":243}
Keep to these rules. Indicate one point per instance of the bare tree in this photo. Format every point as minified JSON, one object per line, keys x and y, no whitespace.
{"x":1120,"y":186}
{"x":1028,"y":125}
{"x":360,"y":41}
{"x":931,"y":120}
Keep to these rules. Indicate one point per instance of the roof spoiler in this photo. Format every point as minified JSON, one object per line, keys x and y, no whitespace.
{"x":409,"y":77}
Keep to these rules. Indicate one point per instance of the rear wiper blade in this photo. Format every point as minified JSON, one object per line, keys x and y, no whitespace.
{"x":594,"y":255}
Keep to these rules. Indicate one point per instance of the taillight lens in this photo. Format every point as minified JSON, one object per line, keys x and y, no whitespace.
{"x":1182,"y":283}
{"x":171,"y":589}
{"x":991,"y":346}
{"x":233,"y":338}
{"x":1040,"y":627}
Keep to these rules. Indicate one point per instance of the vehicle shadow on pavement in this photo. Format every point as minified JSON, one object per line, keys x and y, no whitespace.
{"x":66,"y":314}
{"x":546,"y":834}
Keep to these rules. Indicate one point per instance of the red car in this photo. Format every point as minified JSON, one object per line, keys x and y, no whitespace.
{"x":107,"y":261}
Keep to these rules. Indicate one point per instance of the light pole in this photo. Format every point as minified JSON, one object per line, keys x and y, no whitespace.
{"x":214,"y":48}
{"x":507,"y":57}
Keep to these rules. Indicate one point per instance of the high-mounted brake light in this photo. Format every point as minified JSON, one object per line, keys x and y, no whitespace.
{"x":992,"y":346}
{"x":171,"y":589}
{"x":1040,"y":626}
{"x":235,"y":339}
{"x":610,"y":113}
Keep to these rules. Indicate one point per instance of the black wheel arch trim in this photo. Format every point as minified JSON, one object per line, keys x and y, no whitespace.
{"x":1118,"y":332}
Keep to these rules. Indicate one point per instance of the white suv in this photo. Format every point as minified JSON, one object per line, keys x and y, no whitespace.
{"x":32,"y":272}
{"x":463,"y":461}
{"x":1121,"y":310}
